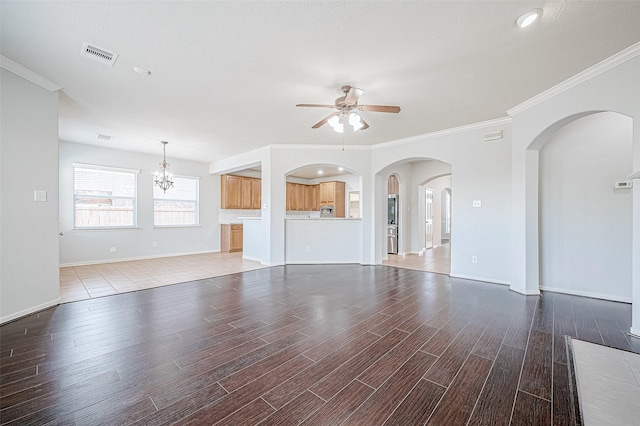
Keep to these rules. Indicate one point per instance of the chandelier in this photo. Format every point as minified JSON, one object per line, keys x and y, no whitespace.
{"x":163,"y":178}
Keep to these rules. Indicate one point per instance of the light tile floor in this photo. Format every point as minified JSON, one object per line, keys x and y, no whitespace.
{"x":90,"y":281}
{"x":436,"y":260}
{"x":608,"y":384}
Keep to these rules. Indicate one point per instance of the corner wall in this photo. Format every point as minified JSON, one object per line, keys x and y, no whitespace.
{"x":29,"y":230}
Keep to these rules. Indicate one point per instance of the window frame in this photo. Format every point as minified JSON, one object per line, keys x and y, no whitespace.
{"x":133,"y":172}
{"x":196,"y":201}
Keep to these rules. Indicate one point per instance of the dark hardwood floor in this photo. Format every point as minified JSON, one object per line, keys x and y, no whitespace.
{"x":312,"y":345}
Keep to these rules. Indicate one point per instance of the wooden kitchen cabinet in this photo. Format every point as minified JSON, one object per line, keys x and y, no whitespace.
{"x":240,"y":192}
{"x":231,"y":237}
{"x":393,"y":186}
{"x":256,"y":194}
{"x":332,"y":194}
{"x":311,"y":198}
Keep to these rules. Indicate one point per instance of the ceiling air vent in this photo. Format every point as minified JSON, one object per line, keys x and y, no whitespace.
{"x":98,"y":54}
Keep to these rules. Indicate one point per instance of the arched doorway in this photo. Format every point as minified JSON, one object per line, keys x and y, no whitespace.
{"x":417,"y":215}
{"x":585,"y":222}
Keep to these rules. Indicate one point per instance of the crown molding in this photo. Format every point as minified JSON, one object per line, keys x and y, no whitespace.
{"x":447,"y":132}
{"x":323,"y":147}
{"x":27,"y":74}
{"x":599,"y":68}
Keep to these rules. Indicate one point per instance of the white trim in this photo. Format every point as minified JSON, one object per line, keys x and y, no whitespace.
{"x":27,"y":74}
{"x":105,"y":168}
{"x":272,"y":263}
{"x":526,"y":292}
{"x":255,"y":259}
{"x":599,"y":68}
{"x":129,"y":259}
{"x":323,"y":147}
{"x":635,"y":175}
{"x":483,"y":279}
{"x":446,"y":132}
{"x":634,"y":332}
{"x":586,"y":294}
{"x":321,"y":262}
{"x":29,"y":311}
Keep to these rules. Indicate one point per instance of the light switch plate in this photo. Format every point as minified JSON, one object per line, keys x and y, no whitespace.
{"x":40,"y":196}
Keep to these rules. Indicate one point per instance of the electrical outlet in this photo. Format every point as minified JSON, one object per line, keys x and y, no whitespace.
{"x":155,"y":244}
{"x":477,"y":203}
{"x":474,"y":259}
{"x":308,"y":248}
{"x":112,"y":249}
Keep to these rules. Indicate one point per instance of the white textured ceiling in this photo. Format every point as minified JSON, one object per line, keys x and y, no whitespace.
{"x":226,"y":75}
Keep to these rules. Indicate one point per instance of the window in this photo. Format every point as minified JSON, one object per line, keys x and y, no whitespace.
{"x":179,"y":205}
{"x":104,"y":197}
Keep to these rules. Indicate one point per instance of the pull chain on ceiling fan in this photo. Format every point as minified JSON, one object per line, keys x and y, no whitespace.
{"x":346,"y":105}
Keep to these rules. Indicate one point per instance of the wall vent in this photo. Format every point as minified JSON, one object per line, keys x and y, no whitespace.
{"x":493,"y":136}
{"x":98,"y":54}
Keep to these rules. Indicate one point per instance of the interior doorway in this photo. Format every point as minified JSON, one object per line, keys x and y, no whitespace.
{"x":428,"y":218}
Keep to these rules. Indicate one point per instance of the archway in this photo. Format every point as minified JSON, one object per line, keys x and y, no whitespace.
{"x":414,"y":175}
{"x":585,"y":224}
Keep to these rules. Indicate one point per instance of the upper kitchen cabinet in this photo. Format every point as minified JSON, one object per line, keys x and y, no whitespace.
{"x":393,"y":185}
{"x":332,"y":194}
{"x":301,"y":197}
{"x":240,"y":192}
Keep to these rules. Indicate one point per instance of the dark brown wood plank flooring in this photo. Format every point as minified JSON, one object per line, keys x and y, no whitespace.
{"x":312,"y":345}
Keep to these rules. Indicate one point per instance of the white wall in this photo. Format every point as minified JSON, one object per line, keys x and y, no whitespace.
{"x":310,"y":241}
{"x":480,"y":171}
{"x":91,"y":246}
{"x":585,"y":224}
{"x":29,"y":230}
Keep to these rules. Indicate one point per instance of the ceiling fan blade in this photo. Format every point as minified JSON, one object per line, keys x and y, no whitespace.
{"x":379,"y":108}
{"x":316,"y":106}
{"x":365,"y":125}
{"x":353,"y":95}
{"x":324,"y":120}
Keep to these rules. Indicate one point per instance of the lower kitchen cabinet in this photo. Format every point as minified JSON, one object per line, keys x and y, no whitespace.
{"x":231,"y":237}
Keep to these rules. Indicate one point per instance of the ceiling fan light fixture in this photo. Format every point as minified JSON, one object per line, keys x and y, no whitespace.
{"x":528,"y":18}
{"x":355,"y":121}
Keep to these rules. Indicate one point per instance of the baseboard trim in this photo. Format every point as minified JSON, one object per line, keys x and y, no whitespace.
{"x":483,"y":279}
{"x":29,"y":311}
{"x":255,"y":259}
{"x":272,"y":263}
{"x":634,"y":332}
{"x":586,"y":294}
{"x":526,"y":292}
{"x":316,"y":262}
{"x":130,"y":259}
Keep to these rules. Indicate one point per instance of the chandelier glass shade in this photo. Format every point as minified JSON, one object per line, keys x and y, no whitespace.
{"x":162,"y":178}
{"x":337,"y":122}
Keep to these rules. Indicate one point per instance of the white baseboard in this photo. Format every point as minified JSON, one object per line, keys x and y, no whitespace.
{"x":272,"y":263}
{"x":483,"y":279}
{"x":634,"y":332}
{"x":317,"y":262}
{"x":255,"y":259}
{"x":526,"y":292}
{"x":130,"y":259}
{"x":586,"y":294}
{"x":29,"y":311}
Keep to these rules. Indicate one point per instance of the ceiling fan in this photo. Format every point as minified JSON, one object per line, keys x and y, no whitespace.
{"x":346,"y":105}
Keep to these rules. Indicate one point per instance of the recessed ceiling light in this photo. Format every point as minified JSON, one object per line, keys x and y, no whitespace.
{"x":103,"y":137}
{"x":341,"y":168}
{"x":141,"y":71}
{"x":528,"y":18}
{"x":320,"y":172}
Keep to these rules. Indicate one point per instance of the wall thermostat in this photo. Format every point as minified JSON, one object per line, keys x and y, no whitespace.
{"x":623,"y":184}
